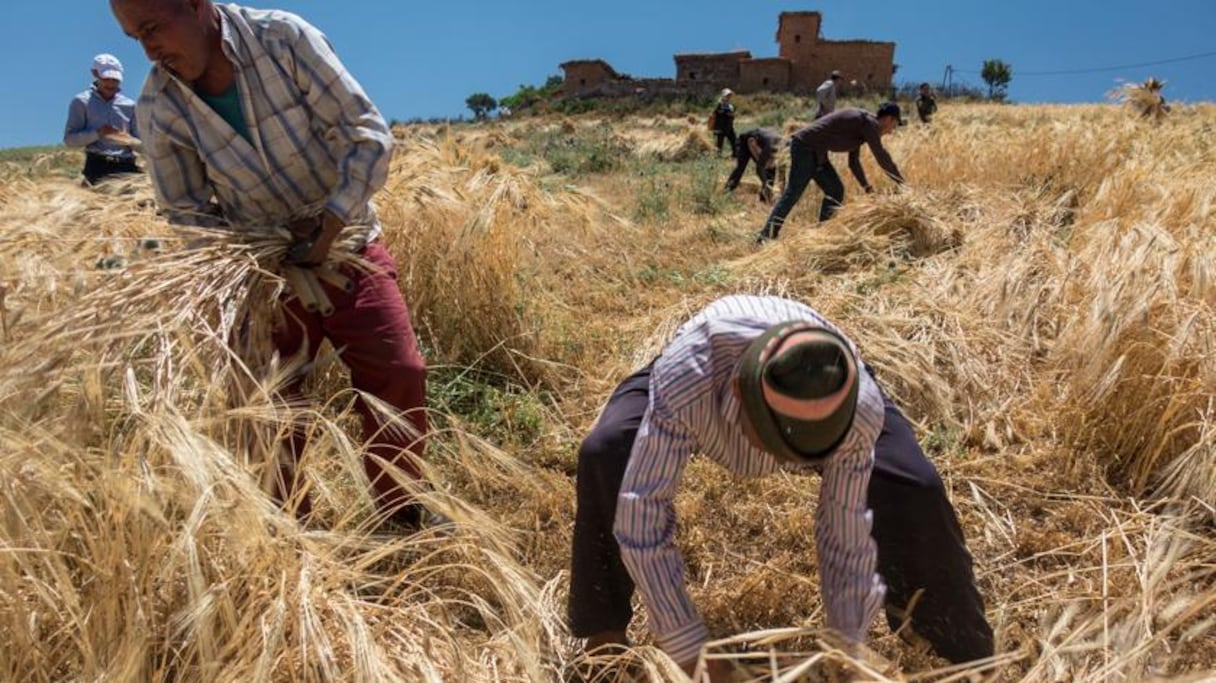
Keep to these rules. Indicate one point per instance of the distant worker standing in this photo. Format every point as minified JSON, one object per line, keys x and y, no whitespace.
{"x":843,"y":131}
{"x":723,"y":120}
{"x":825,"y":95}
{"x":102,"y":121}
{"x":758,"y":145}
{"x":926,"y":103}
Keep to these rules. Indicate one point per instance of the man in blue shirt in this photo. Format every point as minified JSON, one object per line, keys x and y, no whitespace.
{"x":102,"y":120}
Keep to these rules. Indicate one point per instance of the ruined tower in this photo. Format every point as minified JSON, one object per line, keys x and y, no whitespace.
{"x":870,"y":63}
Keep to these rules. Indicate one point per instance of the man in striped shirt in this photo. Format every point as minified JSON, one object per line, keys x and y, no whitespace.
{"x":250,"y":119}
{"x":759,"y":384}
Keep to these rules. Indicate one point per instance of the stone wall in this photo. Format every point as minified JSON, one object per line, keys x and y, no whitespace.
{"x":870,"y":63}
{"x":585,"y":75}
{"x":805,"y":61}
{"x":757,"y":75}
{"x":721,"y":68}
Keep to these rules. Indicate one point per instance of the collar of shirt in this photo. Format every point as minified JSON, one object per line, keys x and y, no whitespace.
{"x":286,"y":170}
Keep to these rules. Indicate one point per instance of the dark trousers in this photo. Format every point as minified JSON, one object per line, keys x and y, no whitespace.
{"x":920,"y":544}
{"x":725,"y":134}
{"x":99,"y":166}
{"x":803,"y":169}
{"x":371,"y":328}
{"x":743,"y":156}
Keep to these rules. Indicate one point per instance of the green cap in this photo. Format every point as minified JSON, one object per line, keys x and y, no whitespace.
{"x":780,"y":391}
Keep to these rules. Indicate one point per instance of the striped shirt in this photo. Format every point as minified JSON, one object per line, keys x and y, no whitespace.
{"x":693,"y":410}
{"x":89,"y":111}
{"x":317,"y":141}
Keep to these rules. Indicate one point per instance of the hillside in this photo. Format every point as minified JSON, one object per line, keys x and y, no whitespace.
{"x":1039,"y":300}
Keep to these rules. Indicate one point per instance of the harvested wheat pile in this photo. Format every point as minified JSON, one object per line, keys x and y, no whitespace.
{"x":694,"y":144}
{"x":1145,"y":99}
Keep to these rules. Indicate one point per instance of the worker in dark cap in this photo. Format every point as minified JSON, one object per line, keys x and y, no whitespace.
{"x":757,"y":145}
{"x":843,"y":131}
{"x":762,"y":384}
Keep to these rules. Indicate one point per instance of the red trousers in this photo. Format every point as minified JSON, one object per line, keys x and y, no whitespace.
{"x":370,"y":328}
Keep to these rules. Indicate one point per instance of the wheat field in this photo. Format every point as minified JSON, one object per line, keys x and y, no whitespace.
{"x":1039,"y":299}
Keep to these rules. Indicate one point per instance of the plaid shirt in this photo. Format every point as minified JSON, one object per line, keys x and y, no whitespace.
{"x":693,"y":410}
{"x":318,"y":142}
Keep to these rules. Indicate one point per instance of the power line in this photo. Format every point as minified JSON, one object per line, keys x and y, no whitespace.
{"x":1065,"y":72}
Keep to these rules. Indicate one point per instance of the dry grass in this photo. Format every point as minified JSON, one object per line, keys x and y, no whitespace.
{"x":1039,"y":300}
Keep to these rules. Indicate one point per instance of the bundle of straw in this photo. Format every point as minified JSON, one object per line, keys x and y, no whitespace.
{"x":1143,"y":98}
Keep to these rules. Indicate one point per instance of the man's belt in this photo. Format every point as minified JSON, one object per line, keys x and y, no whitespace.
{"x":111,"y":158}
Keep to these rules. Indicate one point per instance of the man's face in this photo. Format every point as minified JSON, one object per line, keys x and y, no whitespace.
{"x":889,"y":123}
{"x":108,"y":87}
{"x":172,"y":33}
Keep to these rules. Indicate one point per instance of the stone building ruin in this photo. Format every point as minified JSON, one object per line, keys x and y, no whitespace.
{"x":804,"y":60}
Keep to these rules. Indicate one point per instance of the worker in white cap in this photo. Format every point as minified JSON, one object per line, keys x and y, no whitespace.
{"x":102,"y":121}
{"x":722,"y":121}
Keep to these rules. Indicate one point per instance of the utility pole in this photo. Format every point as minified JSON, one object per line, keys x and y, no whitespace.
{"x":947,"y":79}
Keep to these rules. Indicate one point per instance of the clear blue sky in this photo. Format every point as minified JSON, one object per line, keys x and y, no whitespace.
{"x":421,"y":59}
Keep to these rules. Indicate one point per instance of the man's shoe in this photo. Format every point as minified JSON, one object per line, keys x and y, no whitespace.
{"x":413,"y":519}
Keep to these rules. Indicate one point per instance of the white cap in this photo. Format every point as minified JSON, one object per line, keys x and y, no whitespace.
{"x":107,"y":66}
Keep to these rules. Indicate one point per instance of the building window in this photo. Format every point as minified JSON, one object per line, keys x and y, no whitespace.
{"x":582,"y":81}
{"x":869,"y":77}
{"x":764,"y":81}
{"x":797,"y":38}
{"x":692,"y":75}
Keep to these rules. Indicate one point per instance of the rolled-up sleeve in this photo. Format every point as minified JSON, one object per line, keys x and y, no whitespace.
{"x":358,"y":135}
{"x":852,"y":591}
{"x":76,"y":132}
{"x":645,"y":528}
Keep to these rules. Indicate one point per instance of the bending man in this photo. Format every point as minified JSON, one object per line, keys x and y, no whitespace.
{"x":759,"y":384}
{"x":758,"y":145}
{"x":843,"y":131}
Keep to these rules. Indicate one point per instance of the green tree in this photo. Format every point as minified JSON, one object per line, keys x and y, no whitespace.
{"x":528,"y":95}
{"x":996,"y":74}
{"x":482,"y":104}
